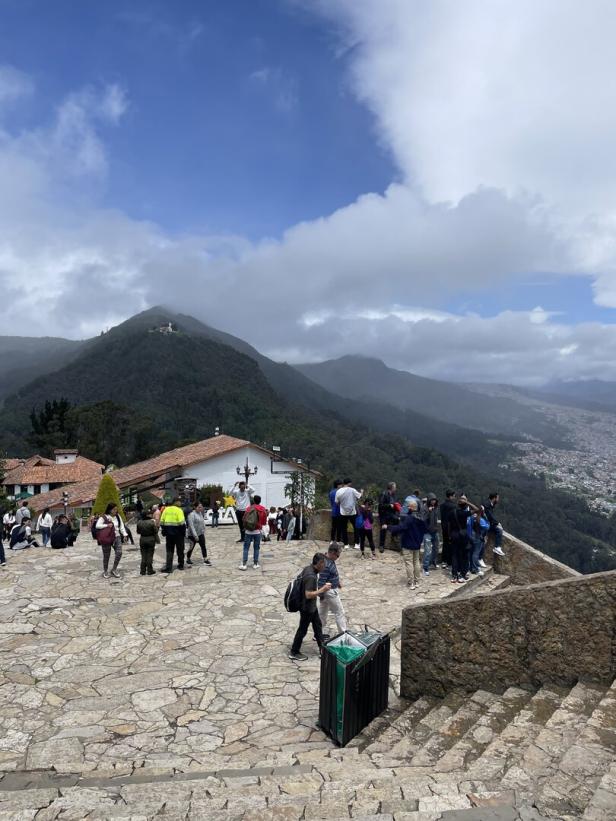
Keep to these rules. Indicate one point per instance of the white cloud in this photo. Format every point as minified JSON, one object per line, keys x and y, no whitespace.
{"x":13,"y":84}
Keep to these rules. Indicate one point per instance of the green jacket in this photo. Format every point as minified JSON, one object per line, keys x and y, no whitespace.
{"x":148,"y":533}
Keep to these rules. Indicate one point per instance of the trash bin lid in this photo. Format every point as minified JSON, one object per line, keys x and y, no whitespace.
{"x":346,"y":640}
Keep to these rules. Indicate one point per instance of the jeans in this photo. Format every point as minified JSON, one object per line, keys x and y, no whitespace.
{"x":46,"y":535}
{"x":215,"y":519}
{"x":330,"y":602}
{"x":498,"y":535}
{"x":477,"y":545}
{"x":307,"y":618}
{"x":2,"y":556}
{"x":106,"y":548}
{"x":430,"y":546}
{"x":255,"y":538}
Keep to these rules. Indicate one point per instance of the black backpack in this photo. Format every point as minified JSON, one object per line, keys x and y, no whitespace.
{"x":293,"y":594}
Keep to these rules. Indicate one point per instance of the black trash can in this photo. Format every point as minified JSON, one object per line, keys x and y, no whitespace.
{"x":354,"y":686}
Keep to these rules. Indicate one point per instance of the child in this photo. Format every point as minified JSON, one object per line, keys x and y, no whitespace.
{"x":365,"y":532}
{"x":148,"y":539}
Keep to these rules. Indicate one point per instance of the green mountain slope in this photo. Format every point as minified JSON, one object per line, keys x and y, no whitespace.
{"x":137,"y":392}
{"x":23,"y":358}
{"x":358,"y":377}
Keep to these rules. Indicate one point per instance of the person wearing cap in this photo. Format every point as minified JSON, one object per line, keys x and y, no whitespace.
{"x":412,"y":530}
{"x":430,"y":544}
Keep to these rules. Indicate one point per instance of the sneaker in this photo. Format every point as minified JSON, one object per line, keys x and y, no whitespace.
{"x":466,"y":577}
{"x":142,"y":572}
{"x":346,"y":547}
{"x":151,"y":572}
{"x":444,"y":565}
{"x":242,"y":567}
{"x":461,"y":581}
{"x":373,"y":556}
{"x":180,"y":567}
{"x":207,"y":562}
{"x":499,"y":551}
{"x":362,"y":555}
{"x":356,"y":547}
{"x":188,"y":561}
{"x":413,"y":586}
{"x":239,"y":541}
{"x":454,"y":581}
{"x":115,"y":574}
{"x":298,"y":657}
{"x":165,"y":570}
{"x":480,"y":573}
{"x":256,"y":566}
{"x":105,"y":574}
{"x":426,"y":572}
{"x":482,"y":564}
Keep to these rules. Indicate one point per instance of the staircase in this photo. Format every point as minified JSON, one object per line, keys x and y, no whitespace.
{"x":519,"y":756}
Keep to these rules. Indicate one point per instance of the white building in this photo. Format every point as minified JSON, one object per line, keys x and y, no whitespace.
{"x":212,"y":461}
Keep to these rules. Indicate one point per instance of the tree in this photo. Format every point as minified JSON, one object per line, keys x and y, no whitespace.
{"x":107,"y":493}
{"x":49,"y":426}
{"x":300,"y":490}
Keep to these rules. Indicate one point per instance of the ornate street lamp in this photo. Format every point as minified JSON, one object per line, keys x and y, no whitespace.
{"x":246,"y":471}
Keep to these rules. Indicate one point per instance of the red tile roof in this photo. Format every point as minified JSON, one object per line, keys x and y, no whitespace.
{"x":172,"y":461}
{"x":40,"y":471}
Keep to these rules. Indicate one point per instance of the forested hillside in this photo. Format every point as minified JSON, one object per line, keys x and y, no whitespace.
{"x":135,"y":392}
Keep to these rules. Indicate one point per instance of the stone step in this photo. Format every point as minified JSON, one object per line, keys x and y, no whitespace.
{"x":488,"y":726}
{"x":583,"y":763}
{"x":601,"y":806}
{"x":452,"y":729}
{"x":414,"y":734}
{"x":510,"y":745}
{"x":541,"y":756}
{"x":399,"y":725}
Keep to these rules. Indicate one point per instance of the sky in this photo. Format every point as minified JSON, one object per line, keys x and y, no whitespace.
{"x":426,"y":181}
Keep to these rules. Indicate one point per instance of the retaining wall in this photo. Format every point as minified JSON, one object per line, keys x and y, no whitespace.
{"x":555,"y":632}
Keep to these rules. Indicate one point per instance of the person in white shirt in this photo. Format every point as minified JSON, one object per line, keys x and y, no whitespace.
{"x":347,"y":497}
{"x":22,"y":513}
{"x":8,"y":520}
{"x":242,"y":493}
{"x":43,"y":525}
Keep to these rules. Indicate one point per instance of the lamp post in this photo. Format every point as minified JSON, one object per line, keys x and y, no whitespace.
{"x":246,"y":471}
{"x":65,"y":500}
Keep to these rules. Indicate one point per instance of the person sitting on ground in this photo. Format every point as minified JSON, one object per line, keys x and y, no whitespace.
{"x":148,"y":539}
{"x":21,"y":535}
{"x":62,"y":533}
{"x":412,"y":530}
{"x":308,"y":612}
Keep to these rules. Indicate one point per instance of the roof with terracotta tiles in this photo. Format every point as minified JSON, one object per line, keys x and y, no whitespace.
{"x":159,"y":467}
{"x":41,"y":471}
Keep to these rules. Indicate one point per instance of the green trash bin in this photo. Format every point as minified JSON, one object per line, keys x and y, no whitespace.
{"x":354,"y":686}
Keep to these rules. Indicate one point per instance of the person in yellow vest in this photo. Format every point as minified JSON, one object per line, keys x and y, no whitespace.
{"x":173,"y":528}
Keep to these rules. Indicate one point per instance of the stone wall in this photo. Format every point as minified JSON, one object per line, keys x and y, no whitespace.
{"x":525,"y":564}
{"x":555,"y":632}
{"x":320,"y":528}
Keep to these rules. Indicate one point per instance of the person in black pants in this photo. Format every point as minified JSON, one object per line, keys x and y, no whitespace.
{"x":173,"y":527}
{"x":446,"y":510}
{"x":308,"y":613}
{"x":459,"y":539}
{"x":387,"y":512}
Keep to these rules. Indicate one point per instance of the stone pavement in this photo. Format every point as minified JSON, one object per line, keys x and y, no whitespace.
{"x":169,"y":673}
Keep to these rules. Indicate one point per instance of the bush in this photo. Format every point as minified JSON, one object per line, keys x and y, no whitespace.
{"x":107,"y":492}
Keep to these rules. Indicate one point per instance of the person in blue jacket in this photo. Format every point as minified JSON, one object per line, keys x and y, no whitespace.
{"x":412,"y":530}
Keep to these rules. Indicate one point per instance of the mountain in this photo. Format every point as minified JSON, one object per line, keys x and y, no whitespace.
{"x":134,"y":392}
{"x":358,"y":377}
{"x":23,"y":358}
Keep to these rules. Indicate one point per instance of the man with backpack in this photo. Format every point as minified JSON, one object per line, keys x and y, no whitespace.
{"x":242,"y":493}
{"x":308,"y":612}
{"x":255,"y":517}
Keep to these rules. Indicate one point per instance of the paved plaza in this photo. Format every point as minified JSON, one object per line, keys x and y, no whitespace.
{"x":153,"y":676}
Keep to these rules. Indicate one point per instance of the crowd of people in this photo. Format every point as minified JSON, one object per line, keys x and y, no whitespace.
{"x":452,"y":534}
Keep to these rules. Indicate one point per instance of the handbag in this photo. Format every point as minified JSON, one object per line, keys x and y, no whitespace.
{"x":106,"y":535}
